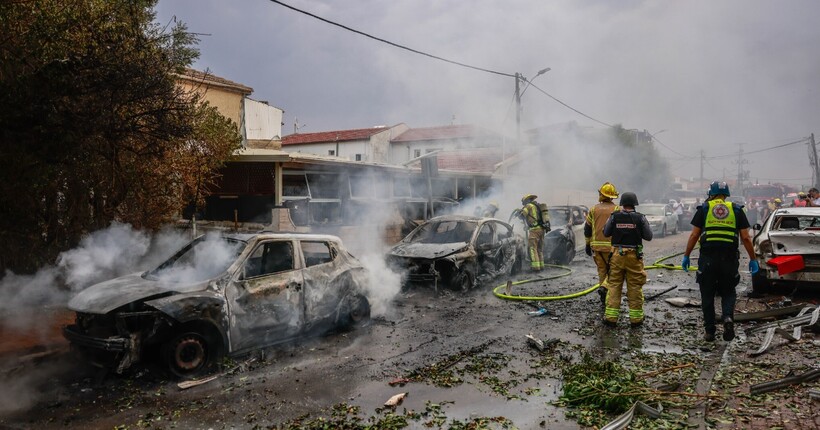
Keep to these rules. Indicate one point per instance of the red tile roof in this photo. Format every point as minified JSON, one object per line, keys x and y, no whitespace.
{"x":442,"y":132}
{"x":209,"y":78}
{"x":332,"y":136}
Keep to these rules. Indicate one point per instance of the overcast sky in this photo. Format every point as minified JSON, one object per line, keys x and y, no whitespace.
{"x":712,"y":74}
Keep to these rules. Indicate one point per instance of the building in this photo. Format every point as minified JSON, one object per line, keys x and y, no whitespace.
{"x":259,"y":123}
{"x":364,"y":144}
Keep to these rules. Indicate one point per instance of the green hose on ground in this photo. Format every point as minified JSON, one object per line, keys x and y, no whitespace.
{"x":658,"y":264}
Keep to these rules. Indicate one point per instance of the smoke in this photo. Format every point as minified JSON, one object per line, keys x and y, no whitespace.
{"x":208,"y":257}
{"x":104,"y":254}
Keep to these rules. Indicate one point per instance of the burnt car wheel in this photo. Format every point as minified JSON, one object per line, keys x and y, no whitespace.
{"x":192,"y":352}
{"x":464,"y":282}
{"x":357,"y":312}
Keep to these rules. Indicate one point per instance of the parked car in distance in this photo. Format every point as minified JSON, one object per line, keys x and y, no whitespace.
{"x":788,"y":232}
{"x":566,"y":235}
{"x":457,"y":251}
{"x":220,"y":295}
{"x":661,"y":217}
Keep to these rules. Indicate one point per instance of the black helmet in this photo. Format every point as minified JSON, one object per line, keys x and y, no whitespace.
{"x":629,"y":199}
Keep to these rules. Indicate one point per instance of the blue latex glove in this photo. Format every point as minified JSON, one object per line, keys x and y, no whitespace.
{"x":754,"y":267}
{"x":685,"y":263}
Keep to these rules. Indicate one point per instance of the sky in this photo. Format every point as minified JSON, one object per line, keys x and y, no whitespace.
{"x":700,"y":75}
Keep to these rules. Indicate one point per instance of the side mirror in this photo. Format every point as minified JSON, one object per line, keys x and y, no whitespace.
{"x":668,"y":213}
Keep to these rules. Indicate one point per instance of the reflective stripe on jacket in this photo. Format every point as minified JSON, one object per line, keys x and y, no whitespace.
{"x":596,"y":218}
{"x":720,"y":224}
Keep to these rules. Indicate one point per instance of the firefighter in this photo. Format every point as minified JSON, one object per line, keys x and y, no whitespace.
{"x":599,"y":247}
{"x":717,"y":226}
{"x":628,"y":229}
{"x":536,"y":228}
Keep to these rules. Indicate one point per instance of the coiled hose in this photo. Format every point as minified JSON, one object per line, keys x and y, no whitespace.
{"x":658,"y":264}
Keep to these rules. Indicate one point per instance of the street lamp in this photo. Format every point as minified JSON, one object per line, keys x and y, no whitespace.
{"x":518,"y":78}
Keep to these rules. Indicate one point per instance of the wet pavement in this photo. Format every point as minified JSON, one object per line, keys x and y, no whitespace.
{"x":461,"y":357}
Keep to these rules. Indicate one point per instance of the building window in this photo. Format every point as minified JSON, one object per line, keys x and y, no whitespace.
{"x":416,"y":153}
{"x":358,"y":157}
{"x":331,"y":152}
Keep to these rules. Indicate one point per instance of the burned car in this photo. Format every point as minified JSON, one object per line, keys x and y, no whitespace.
{"x":220,"y":295}
{"x":566,"y":233}
{"x":457,"y":251}
{"x":787,"y":247}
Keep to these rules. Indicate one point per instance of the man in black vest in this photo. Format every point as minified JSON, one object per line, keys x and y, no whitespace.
{"x":628,"y":229}
{"x":717,"y":224}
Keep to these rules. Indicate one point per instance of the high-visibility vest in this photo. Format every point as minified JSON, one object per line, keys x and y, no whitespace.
{"x":596,"y":218}
{"x":720,"y":225}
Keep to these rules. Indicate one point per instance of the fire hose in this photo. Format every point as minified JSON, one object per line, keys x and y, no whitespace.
{"x":658,"y":264}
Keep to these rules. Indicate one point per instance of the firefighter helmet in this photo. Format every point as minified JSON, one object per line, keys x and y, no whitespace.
{"x":494,"y":204}
{"x":608,"y":190}
{"x":527,"y":198}
{"x":719,"y":188}
{"x":629,"y":199}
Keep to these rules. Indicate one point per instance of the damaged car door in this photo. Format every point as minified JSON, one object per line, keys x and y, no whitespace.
{"x":495,"y":250}
{"x":265,"y":301}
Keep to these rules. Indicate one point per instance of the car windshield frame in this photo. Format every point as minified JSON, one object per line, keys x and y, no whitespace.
{"x":179,"y":268}
{"x":662,"y":210}
{"x":444,"y":231}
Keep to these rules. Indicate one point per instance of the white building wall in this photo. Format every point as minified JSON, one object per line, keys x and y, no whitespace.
{"x":346,"y":150}
{"x":262,"y":121}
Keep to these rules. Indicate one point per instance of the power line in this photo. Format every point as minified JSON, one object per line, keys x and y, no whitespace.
{"x":716,"y":157}
{"x":673,"y":151}
{"x":570,"y":107}
{"x":415,"y":51}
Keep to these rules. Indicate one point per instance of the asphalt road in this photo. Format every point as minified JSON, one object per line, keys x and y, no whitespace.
{"x":460,"y":357}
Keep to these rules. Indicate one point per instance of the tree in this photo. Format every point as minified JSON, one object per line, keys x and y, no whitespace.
{"x":93,"y":127}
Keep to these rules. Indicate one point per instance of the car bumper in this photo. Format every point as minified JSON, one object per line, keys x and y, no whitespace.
{"x":110,"y":344}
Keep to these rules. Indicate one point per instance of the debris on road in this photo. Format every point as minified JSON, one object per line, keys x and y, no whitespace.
{"x":395,"y":400}
{"x":814,"y":394}
{"x":626,"y":418}
{"x":184,"y":385}
{"x":777,"y":384}
{"x":656,"y":295}
{"x":768,"y":313}
{"x":539,"y":344}
{"x":803,"y":318}
{"x":683,"y":302}
{"x":539,"y":312}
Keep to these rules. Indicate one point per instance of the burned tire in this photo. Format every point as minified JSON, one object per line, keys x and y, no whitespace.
{"x":356,"y":313}
{"x":465,"y":282}
{"x":193,"y":351}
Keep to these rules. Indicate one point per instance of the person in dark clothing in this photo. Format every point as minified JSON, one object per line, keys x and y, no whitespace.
{"x":719,"y":225}
{"x":628,"y":229}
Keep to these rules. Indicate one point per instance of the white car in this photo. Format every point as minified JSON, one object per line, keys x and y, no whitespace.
{"x":661,"y":217}
{"x":788,"y":232}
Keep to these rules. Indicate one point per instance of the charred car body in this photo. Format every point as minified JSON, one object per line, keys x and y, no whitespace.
{"x":458,"y":251}
{"x":220,"y":295}
{"x":787,"y":247}
{"x":567,"y":231}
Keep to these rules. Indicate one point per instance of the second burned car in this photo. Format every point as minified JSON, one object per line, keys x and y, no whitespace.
{"x":457,"y":251}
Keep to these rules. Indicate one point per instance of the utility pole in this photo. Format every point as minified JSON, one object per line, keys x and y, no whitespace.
{"x":517,"y":107}
{"x":702,"y":159}
{"x":813,"y":158}
{"x":740,"y":172}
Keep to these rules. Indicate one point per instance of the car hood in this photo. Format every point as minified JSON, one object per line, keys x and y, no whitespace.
{"x":109,"y":295}
{"x":427,"y":250}
{"x":655,"y":218}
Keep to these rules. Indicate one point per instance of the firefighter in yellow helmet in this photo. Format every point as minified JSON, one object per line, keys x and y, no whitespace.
{"x":598,"y":246}
{"x":536,"y":218}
